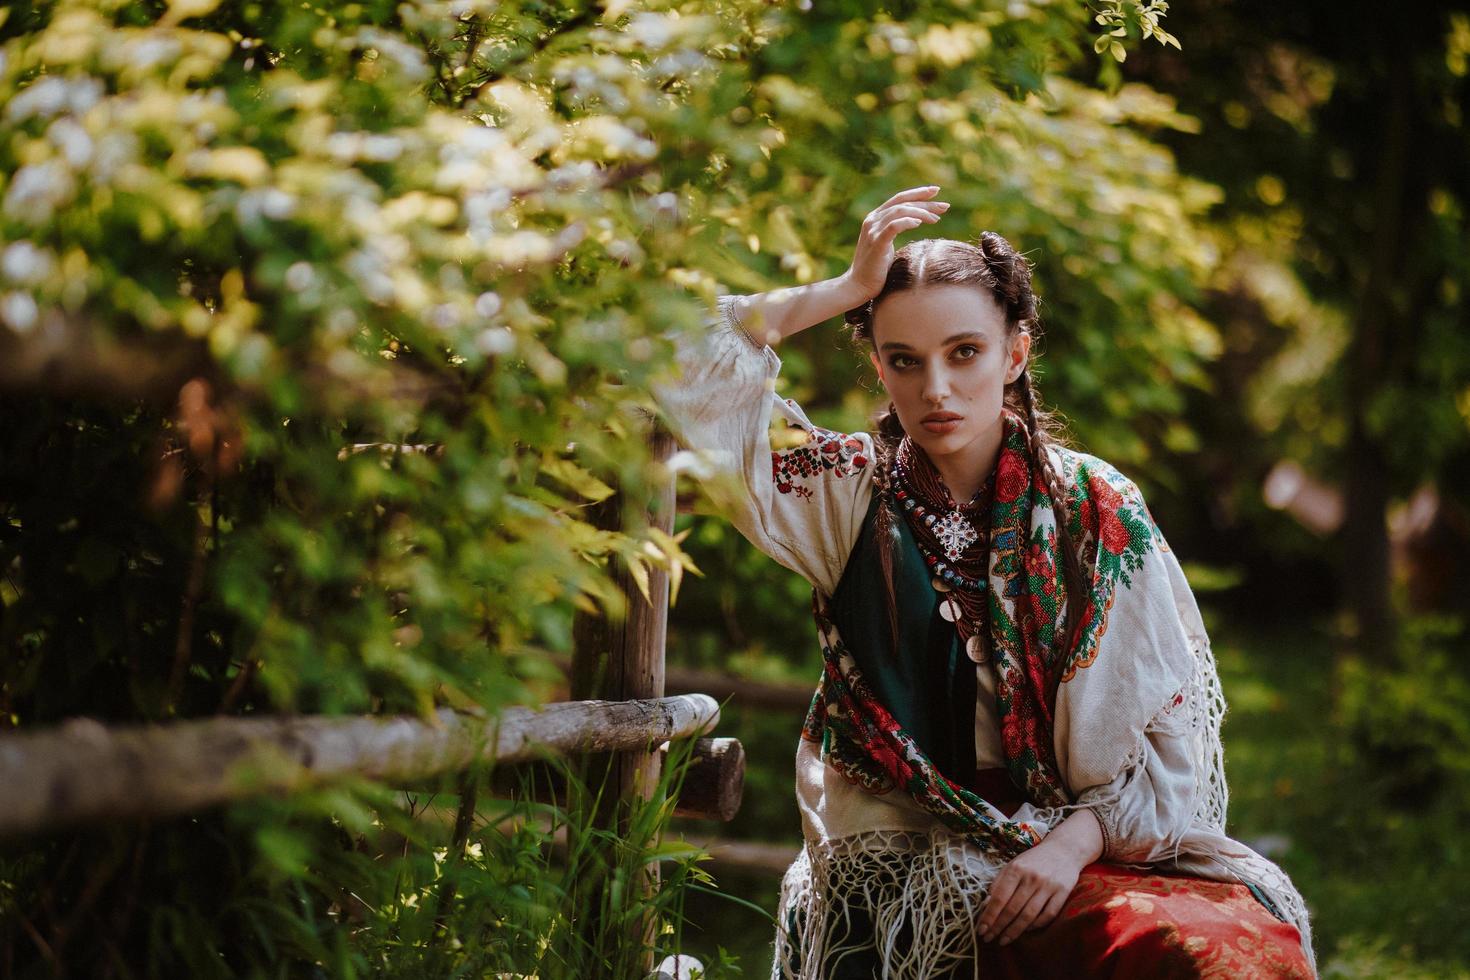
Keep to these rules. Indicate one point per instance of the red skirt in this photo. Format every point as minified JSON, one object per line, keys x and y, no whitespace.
{"x":1121,"y":922}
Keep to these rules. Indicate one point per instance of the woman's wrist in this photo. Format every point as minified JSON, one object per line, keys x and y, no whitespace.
{"x":1080,"y":835}
{"x":855,"y":293}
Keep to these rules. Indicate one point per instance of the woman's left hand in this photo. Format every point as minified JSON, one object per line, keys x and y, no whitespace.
{"x":1030,"y":891}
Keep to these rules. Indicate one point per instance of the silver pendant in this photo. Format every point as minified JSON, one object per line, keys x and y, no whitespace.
{"x":949,"y":610}
{"x":956,"y":534}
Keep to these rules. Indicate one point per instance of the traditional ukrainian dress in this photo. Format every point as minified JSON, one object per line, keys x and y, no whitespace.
{"x":910,"y":801}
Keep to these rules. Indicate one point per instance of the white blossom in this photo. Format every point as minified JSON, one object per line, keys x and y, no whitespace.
{"x":487,"y":304}
{"x":68,"y":136}
{"x":114,"y":151}
{"x":19,"y":310}
{"x":366,"y":267}
{"x":652,"y":30}
{"x":445,"y":316}
{"x":381,"y":148}
{"x":52,"y":95}
{"x":152,"y":48}
{"x":495,"y":341}
{"x":300,"y":277}
{"x":37,"y":189}
{"x":26,"y":265}
{"x":265,"y":202}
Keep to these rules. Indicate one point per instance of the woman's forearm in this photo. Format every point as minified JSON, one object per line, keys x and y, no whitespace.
{"x":773,"y":316}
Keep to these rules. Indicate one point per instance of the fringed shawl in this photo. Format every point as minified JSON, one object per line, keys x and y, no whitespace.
{"x":1136,"y":699}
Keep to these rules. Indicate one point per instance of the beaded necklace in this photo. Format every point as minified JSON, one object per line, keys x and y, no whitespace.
{"x":954,"y":540}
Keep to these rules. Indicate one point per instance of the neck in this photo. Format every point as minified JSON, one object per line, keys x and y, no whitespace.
{"x":965,"y":470}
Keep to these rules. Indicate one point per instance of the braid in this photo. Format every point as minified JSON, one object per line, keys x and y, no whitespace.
{"x":1037,"y":440}
{"x":889,"y":434}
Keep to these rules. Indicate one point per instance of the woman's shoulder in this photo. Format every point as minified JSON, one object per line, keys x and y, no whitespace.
{"x":1103,"y":496}
{"x":1082,"y":470}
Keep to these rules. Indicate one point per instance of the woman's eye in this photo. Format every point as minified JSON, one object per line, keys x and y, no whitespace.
{"x":900,"y":361}
{"x":966,"y":352}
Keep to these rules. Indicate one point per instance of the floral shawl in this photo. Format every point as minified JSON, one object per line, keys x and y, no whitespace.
{"x":1028,"y":599}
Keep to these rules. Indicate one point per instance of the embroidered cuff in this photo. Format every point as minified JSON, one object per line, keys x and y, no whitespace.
{"x":1107,"y":835}
{"x":727,"y":308}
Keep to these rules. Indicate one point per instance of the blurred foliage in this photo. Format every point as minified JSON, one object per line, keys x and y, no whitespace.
{"x":1381,"y":861}
{"x":1411,"y":714}
{"x":469,"y":228}
{"x":363,"y":881}
{"x":1340,"y":151}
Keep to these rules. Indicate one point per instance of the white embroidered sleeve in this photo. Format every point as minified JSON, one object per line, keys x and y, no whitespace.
{"x":802,"y":504}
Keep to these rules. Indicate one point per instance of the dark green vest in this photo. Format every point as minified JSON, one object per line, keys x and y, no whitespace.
{"x":929,"y":684}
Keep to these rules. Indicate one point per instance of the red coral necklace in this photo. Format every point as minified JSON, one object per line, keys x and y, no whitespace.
{"x":954,"y":540}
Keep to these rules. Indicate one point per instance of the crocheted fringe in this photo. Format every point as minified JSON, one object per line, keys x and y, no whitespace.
{"x":922,"y":891}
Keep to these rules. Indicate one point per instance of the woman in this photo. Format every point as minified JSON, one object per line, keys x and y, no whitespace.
{"x":1011,"y":766}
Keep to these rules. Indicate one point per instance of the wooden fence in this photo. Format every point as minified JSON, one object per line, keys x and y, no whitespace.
{"x":617,"y":721}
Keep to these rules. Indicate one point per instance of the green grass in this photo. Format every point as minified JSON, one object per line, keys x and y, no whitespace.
{"x":1383,"y":872}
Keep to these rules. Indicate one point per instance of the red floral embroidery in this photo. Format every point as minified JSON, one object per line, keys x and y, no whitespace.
{"x":1115,"y":536}
{"x":824,"y":452}
{"x":1039,"y":566}
{"x":1011,"y":478}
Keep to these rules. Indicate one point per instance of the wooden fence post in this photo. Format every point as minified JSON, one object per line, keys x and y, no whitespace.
{"x":624,"y":661}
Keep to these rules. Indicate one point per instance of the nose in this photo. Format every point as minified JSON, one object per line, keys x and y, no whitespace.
{"x":936,"y":386}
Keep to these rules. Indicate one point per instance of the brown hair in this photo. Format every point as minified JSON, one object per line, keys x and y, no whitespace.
{"x":994,"y":266}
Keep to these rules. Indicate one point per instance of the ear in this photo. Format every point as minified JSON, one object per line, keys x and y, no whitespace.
{"x":1019,"y":354}
{"x":877,"y":366}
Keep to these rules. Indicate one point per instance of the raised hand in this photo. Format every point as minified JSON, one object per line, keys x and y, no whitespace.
{"x":903,"y":211}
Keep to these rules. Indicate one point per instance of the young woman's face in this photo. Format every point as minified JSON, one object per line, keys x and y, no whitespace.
{"x":943,"y":355}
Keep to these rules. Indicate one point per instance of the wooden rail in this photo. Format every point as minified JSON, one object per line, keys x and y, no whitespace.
{"x":84,"y":771}
{"x":743,"y":692}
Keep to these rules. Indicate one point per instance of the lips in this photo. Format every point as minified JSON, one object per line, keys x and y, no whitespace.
{"x":941,"y":422}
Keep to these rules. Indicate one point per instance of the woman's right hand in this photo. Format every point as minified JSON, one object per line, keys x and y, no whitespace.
{"x":903,"y":211}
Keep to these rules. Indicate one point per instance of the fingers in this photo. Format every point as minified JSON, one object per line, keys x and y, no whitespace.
{"x":1022,"y":906}
{"x":912,"y":194}
{"x":1033,"y":908}
{"x":903,"y":217}
{"x":1001,"y":890}
{"x":923,"y":210}
{"x":902,"y":212}
{"x":1053,"y":909}
{"x":1019,"y":902}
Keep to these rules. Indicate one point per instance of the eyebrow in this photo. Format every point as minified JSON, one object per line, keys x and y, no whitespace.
{"x":967,"y":335}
